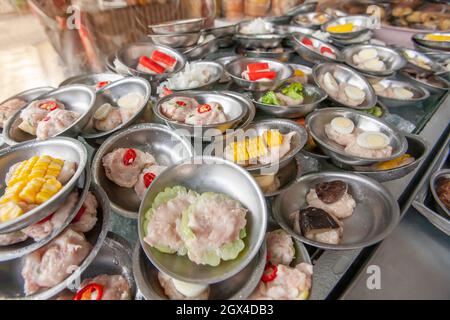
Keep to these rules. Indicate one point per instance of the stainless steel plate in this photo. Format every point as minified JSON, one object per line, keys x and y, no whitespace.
{"x":187,"y":25}
{"x":316,"y":123}
{"x":312,"y":56}
{"x":264,"y":41}
{"x":92,"y":79}
{"x":435,"y":179}
{"x":64,"y":148}
{"x":420,"y":93}
{"x":363,"y":22}
{"x":78,"y":98}
{"x":10,"y":271}
{"x":410,"y":55}
{"x":111,"y":94}
{"x":303,"y":8}
{"x":305,"y":19}
{"x":176,"y":40}
{"x":219,"y":32}
{"x":439,"y":45}
{"x":238,"y":287}
{"x":201,"y":50}
{"x":376,"y":214}
{"x":282,"y":56}
{"x":210,"y":174}
{"x":163,"y":143}
{"x":444,"y":85}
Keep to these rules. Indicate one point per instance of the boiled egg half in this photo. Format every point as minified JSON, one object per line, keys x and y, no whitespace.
{"x":342,"y":125}
{"x":189,"y":290}
{"x":372,"y":140}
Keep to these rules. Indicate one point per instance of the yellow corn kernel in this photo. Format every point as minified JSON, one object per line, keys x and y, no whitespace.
{"x":31,"y":190}
{"x":273,"y":138}
{"x":9,"y":211}
{"x":12,"y":193}
{"x":49,"y":189}
{"x":240,"y":151}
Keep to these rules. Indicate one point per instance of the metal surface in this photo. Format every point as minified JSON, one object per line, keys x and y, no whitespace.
{"x":21,"y":249}
{"x":316,"y":123}
{"x":65,"y":148}
{"x":302,"y":8}
{"x":178,"y":26}
{"x":77,"y":98}
{"x":176,"y":40}
{"x":393,"y":60}
{"x":10,"y":271}
{"x":224,"y":61}
{"x":362,"y":22}
{"x":362,"y":38}
{"x":375,"y":216}
{"x":410,"y":54}
{"x":439,"y":45}
{"x":291,"y":29}
{"x":202,"y":50}
{"x":420,"y":93}
{"x":163,"y":143}
{"x":264,"y":41}
{"x":111,"y":94}
{"x":312,"y":55}
{"x":219,"y":32}
{"x":235,"y":69}
{"x":312,"y":97}
{"x":282,"y":56}
{"x":432,"y":88}
{"x":306,"y":70}
{"x":343,"y":74}
{"x":435,"y":179}
{"x":305,"y":20}
{"x":217,"y":72}
{"x":257,"y":129}
{"x":92,"y":79}
{"x":212,"y":175}
{"x":238,"y":287}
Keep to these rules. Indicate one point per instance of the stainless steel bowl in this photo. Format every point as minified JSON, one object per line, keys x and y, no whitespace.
{"x":178,"y":26}
{"x":202,"y":50}
{"x":163,"y":143}
{"x":233,"y":108}
{"x":210,"y":174}
{"x":303,"y":8}
{"x":176,"y":40}
{"x":10,"y":271}
{"x":439,"y":45}
{"x":420,"y":93}
{"x":362,"y":22}
{"x":224,"y":61}
{"x":217,"y":72}
{"x":219,"y":32}
{"x":111,"y":94}
{"x":235,"y":69}
{"x":308,"y":23}
{"x":317,"y":120}
{"x":312,"y":56}
{"x":435,"y":179}
{"x":313,"y":96}
{"x":238,"y":287}
{"x":251,"y":113}
{"x":279,"y":20}
{"x":376,"y":214}
{"x":63,"y":148}
{"x":78,"y":98}
{"x":290,"y":29}
{"x":92,"y":80}
{"x":21,"y":249}
{"x":264,"y":41}
{"x":243,"y":24}
{"x":129,"y":57}
{"x":410,"y":55}
{"x":282,"y":56}
{"x":393,"y":60}
{"x":417,"y":148}
{"x":306,"y":70}
{"x":408,"y":75}
{"x":362,"y":38}
{"x":344,"y":74}
{"x":256,"y":129}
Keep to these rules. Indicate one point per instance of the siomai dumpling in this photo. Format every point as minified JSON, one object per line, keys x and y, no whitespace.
{"x":35,"y":112}
{"x":9,"y":108}
{"x":114,"y":287}
{"x":146,"y":178}
{"x":55,"y":122}
{"x":206,"y":114}
{"x":280,"y":247}
{"x":107,"y":118}
{"x":179,"y":290}
{"x":179,"y":108}
{"x":12,"y":238}
{"x":86,"y":217}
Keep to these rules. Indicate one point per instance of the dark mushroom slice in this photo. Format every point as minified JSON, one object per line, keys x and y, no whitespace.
{"x":318,"y":225}
{"x":331,"y":192}
{"x":443,"y":191}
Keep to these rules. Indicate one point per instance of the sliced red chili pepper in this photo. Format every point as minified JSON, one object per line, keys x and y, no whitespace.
{"x":129,"y":157}
{"x":204,"y":108}
{"x":159,"y":56}
{"x":46,"y":219}
{"x":307,"y":42}
{"x":49,"y":105}
{"x":181,"y":103}
{"x":87,"y":292}
{"x":148,"y":179}
{"x":152,"y":65}
{"x":102,"y":84}
{"x":79,"y":214}
{"x":270,"y":273}
{"x":326,"y":49}
{"x":262,"y":75}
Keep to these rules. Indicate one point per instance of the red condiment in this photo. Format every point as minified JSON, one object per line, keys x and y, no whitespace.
{"x":326,"y":49}
{"x":87,"y":292}
{"x":49,"y":105}
{"x":270,"y":273}
{"x":148,"y":179}
{"x":102,"y":84}
{"x":204,"y":108}
{"x":129,"y":157}
{"x":307,"y":42}
{"x":181,"y":103}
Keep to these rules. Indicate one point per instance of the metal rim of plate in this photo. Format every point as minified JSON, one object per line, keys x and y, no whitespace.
{"x":45,"y":209}
{"x":101,"y":152}
{"x":395,"y":103}
{"x":219,"y":68}
{"x":435,"y":67}
{"x":148,"y":293}
{"x":194,"y":24}
{"x":98,"y":242}
{"x":381,"y":190}
{"x":437,"y":45}
{"x":313,"y":56}
{"x":303,"y":8}
{"x":443,"y":173}
{"x":310,"y":24}
{"x":87,"y":79}
{"x":426,"y":85}
{"x":347,"y":35}
{"x":203,"y":49}
{"x":21,"y":249}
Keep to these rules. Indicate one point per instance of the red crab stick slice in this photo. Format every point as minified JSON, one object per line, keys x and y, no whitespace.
{"x":258,"y":67}
{"x":152,"y":65}
{"x":161,"y":57}
{"x":255,"y":76}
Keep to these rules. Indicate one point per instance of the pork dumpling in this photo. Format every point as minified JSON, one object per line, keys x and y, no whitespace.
{"x":339,"y":138}
{"x":86,"y":218}
{"x":146,"y":178}
{"x":37,"y":111}
{"x":9,"y":108}
{"x":178,"y":290}
{"x":206,"y":114}
{"x":213,"y":228}
{"x":162,"y":221}
{"x":107,"y":118}
{"x":55,"y":122}
{"x":12,"y":238}
{"x":280,"y":247}
{"x":115,"y":287}
{"x":178,"y":108}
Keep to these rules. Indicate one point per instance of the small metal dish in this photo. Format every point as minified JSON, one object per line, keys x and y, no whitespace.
{"x":311,"y":55}
{"x":317,"y":120}
{"x":417,"y":148}
{"x":178,"y":26}
{"x":420,"y":93}
{"x":408,"y":75}
{"x":439,"y":45}
{"x":264,"y":41}
{"x":201,"y":50}
{"x":238,"y":287}
{"x":235,"y":69}
{"x":305,"y":20}
{"x":219,"y":32}
{"x":307,"y":71}
{"x":217,"y":74}
{"x":435,"y":179}
{"x":21,"y":249}
{"x":163,"y":143}
{"x":176,"y":40}
{"x":129,"y":57}
{"x":362,"y":22}
{"x":209,"y":174}
{"x":376,"y":214}
{"x":111,"y":94}
{"x":282,"y":56}
{"x":92,"y":80}
{"x":64,"y":148}
{"x":344,"y":74}
{"x":78,"y":98}
{"x":362,"y":38}
{"x":10,"y":271}
{"x":309,"y":6}
{"x":393,"y":60}
{"x":313,"y":96}
{"x":410,"y":55}
{"x":256,"y":129}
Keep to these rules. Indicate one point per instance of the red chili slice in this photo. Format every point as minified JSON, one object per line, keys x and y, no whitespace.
{"x":148,"y":179}
{"x":204,"y":108}
{"x":129,"y":157}
{"x":307,"y":42}
{"x":87,"y":292}
{"x":270,"y":273}
{"x":326,"y":49}
{"x":79,"y":215}
{"x":181,"y":103}
{"x":102,"y":84}
{"x":49,"y":105}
